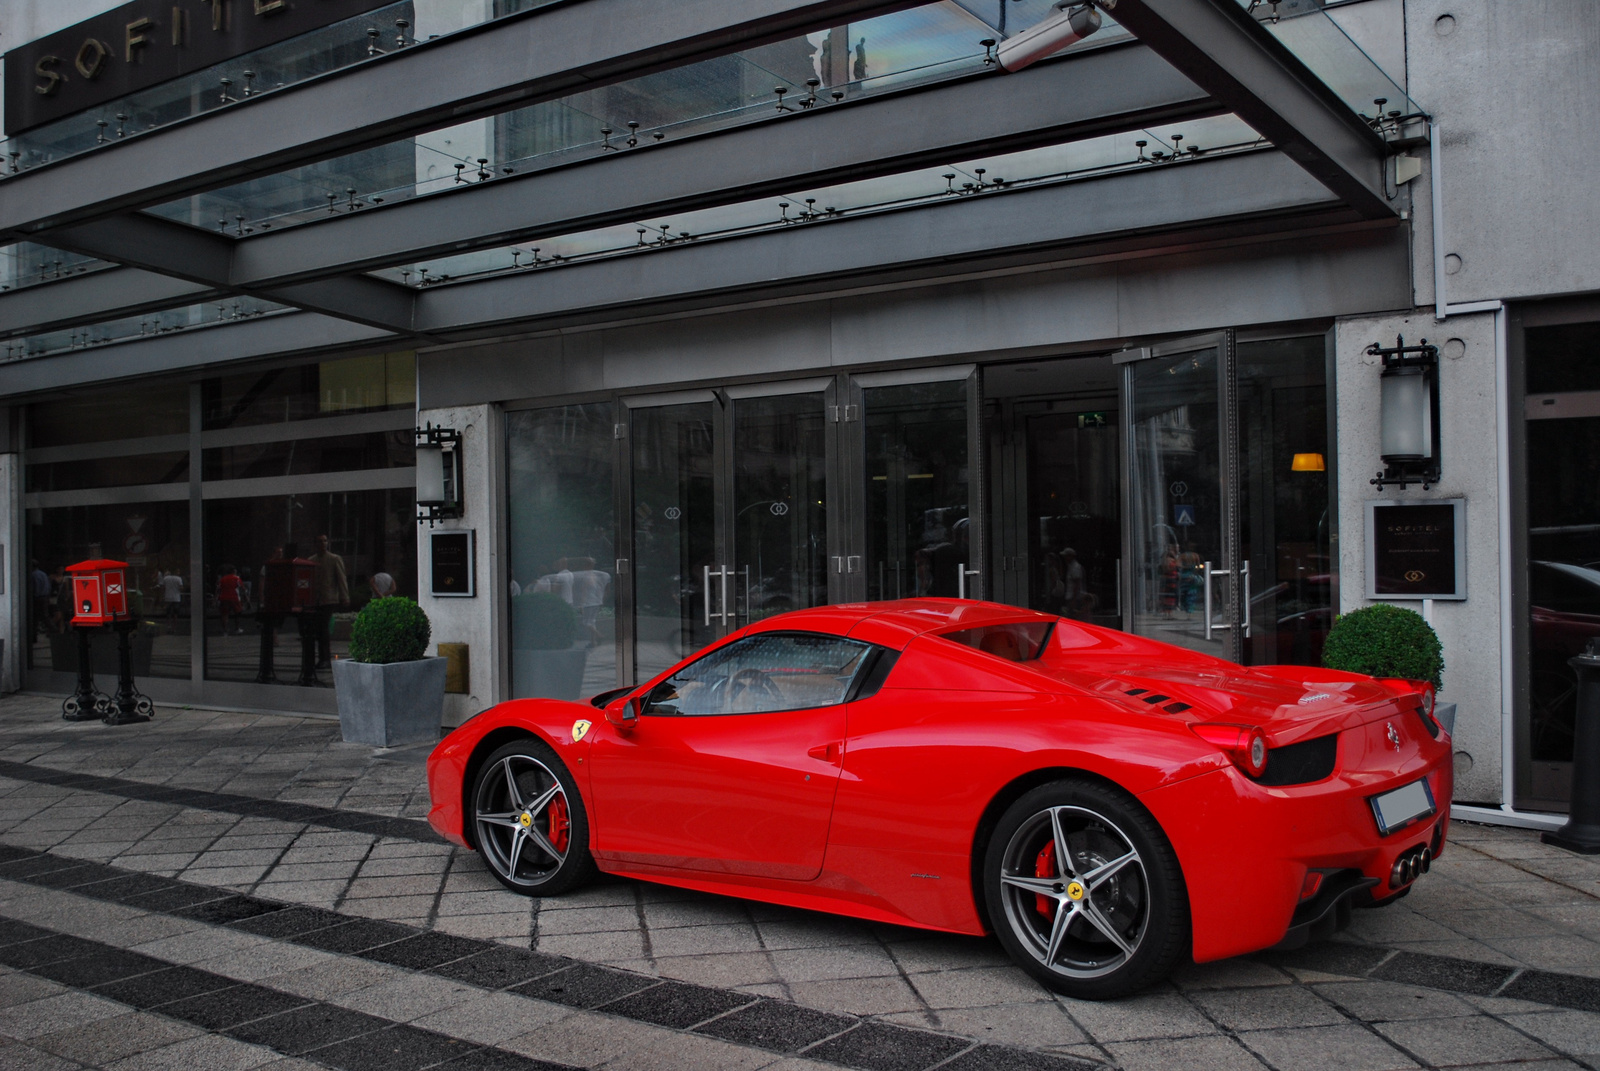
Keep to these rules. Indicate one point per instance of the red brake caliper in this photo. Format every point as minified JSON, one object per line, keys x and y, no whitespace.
{"x":1045,"y":867}
{"x":560,"y":823}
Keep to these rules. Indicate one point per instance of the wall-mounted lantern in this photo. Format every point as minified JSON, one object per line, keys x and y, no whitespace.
{"x":439,"y":495}
{"x":1409,"y":414}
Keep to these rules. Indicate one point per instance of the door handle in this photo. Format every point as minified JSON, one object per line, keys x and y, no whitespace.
{"x":830,"y":753}
{"x":1206,"y":573}
{"x":722,"y":572}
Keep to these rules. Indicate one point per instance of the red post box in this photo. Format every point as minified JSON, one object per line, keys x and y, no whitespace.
{"x":289,"y":585}
{"x":99,"y":592}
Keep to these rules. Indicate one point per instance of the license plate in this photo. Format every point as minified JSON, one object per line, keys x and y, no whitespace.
{"x":1402,"y":806}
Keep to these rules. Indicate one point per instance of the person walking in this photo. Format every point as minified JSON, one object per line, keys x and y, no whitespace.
{"x":171,"y":585}
{"x":228,"y":587}
{"x":39,"y":588}
{"x":333,"y":591}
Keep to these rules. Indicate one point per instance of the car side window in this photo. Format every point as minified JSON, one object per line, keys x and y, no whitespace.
{"x":760,"y":674}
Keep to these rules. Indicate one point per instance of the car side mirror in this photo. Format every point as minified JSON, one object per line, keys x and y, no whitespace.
{"x":626,"y":716}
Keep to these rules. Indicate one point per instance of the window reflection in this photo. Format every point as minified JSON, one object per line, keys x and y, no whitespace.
{"x":359,"y":543}
{"x":562,"y":543}
{"x":153,"y":538}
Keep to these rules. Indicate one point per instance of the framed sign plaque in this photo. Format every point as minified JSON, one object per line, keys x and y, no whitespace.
{"x":1417,"y":549}
{"x":450,"y":568}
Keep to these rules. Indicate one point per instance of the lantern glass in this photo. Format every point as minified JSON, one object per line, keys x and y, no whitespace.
{"x":1407,"y":425}
{"x":430,"y":476}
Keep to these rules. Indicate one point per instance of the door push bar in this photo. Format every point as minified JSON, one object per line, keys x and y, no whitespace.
{"x":962,"y":572}
{"x":723,"y":572}
{"x":1207,"y":573}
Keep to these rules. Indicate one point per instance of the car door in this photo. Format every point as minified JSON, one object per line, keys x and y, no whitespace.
{"x":734,"y":760}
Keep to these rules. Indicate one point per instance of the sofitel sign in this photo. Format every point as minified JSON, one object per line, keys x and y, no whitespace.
{"x":148,"y":42}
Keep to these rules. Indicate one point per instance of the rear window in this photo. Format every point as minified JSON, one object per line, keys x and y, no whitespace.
{"x":1018,"y":641}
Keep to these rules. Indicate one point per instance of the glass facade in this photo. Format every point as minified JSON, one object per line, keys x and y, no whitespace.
{"x":117,"y":473}
{"x":1562,"y":474}
{"x":561,"y":534}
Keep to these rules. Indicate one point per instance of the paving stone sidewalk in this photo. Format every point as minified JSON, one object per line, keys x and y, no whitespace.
{"x":202,"y":816}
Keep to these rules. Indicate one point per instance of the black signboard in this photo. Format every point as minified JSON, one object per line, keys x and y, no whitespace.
{"x":452,"y":563}
{"x":147,"y":42}
{"x":1416,"y":550}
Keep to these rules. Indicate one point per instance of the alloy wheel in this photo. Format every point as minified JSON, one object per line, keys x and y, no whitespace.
{"x":524,"y":820}
{"x":1075,"y":892}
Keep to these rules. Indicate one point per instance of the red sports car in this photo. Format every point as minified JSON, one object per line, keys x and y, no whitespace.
{"x":1105,"y":804}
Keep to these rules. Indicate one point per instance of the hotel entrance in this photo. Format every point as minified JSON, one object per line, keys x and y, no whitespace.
{"x":1178,"y":491}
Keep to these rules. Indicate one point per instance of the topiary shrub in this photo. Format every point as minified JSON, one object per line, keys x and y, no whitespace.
{"x":541,"y":621}
{"x":390,"y":629}
{"x":1385,"y":641}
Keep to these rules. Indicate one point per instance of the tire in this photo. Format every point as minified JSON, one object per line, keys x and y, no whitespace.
{"x":536,"y":842}
{"x":1123,"y":905}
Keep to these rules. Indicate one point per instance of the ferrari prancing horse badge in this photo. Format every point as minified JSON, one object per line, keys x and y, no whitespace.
{"x":580,"y":728}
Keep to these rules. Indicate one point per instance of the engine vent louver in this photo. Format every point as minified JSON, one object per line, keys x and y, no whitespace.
{"x":1175,"y":708}
{"x":1302,"y":763}
{"x":1154,"y":699}
{"x":1137,"y":691}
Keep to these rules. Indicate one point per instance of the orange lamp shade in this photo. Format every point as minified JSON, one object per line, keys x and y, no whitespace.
{"x":1308,"y":463}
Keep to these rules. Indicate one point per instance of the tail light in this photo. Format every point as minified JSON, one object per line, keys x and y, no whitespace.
{"x":1246,"y":745}
{"x":1426,"y":699}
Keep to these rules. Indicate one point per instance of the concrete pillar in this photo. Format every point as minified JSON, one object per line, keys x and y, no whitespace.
{"x":475,"y":621}
{"x":1469,"y":630}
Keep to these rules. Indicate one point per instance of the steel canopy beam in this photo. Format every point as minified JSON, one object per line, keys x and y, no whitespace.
{"x":1120,"y":88}
{"x":1210,"y":191}
{"x":1234,"y":58}
{"x":505,"y":63}
{"x":148,"y":243}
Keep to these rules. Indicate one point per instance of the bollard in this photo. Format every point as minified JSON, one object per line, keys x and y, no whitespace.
{"x":1582,"y":831}
{"x":86,"y":702}
{"x":130,"y":705}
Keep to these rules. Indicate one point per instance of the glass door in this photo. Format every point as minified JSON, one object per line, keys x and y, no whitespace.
{"x":1182,"y":515}
{"x":728,"y":514}
{"x":672,"y":524}
{"x":777,"y":543}
{"x":917,"y":537}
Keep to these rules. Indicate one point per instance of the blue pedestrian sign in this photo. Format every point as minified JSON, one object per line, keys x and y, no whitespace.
{"x":1183,"y":515}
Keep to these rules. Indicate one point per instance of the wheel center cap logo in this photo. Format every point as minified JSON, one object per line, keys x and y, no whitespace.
{"x":526,"y":820}
{"x":1075,"y":890}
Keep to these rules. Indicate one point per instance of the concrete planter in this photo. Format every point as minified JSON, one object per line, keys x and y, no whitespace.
{"x":548,"y":674}
{"x":389,"y":705}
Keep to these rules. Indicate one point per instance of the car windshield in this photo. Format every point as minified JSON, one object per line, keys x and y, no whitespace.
{"x":758,"y":674}
{"x":1015,"y":641}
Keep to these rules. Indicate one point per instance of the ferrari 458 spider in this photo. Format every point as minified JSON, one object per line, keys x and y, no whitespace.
{"x":1105,"y":804}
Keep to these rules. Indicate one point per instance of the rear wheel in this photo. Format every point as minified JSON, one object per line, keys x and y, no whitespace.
{"x":1085,"y":892}
{"x":529,"y":823}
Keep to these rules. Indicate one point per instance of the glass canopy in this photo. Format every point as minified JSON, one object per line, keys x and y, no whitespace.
{"x":1180,"y":144}
{"x":917,"y":45}
{"x":149,"y":325}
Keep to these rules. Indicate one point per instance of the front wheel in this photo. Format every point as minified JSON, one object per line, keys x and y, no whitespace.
{"x":1085,"y":892}
{"x":530,"y":824}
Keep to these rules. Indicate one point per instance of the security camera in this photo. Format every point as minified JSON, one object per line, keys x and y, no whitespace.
{"x":1072,"y":22}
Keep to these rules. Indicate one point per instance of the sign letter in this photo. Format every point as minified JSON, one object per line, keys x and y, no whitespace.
{"x":91,"y":58}
{"x":52,"y":79}
{"x":135,"y":36}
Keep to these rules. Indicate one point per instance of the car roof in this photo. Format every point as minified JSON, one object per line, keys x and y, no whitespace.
{"x":896,"y":623}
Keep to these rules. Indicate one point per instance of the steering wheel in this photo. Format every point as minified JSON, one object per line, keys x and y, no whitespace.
{"x":748,"y":686}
